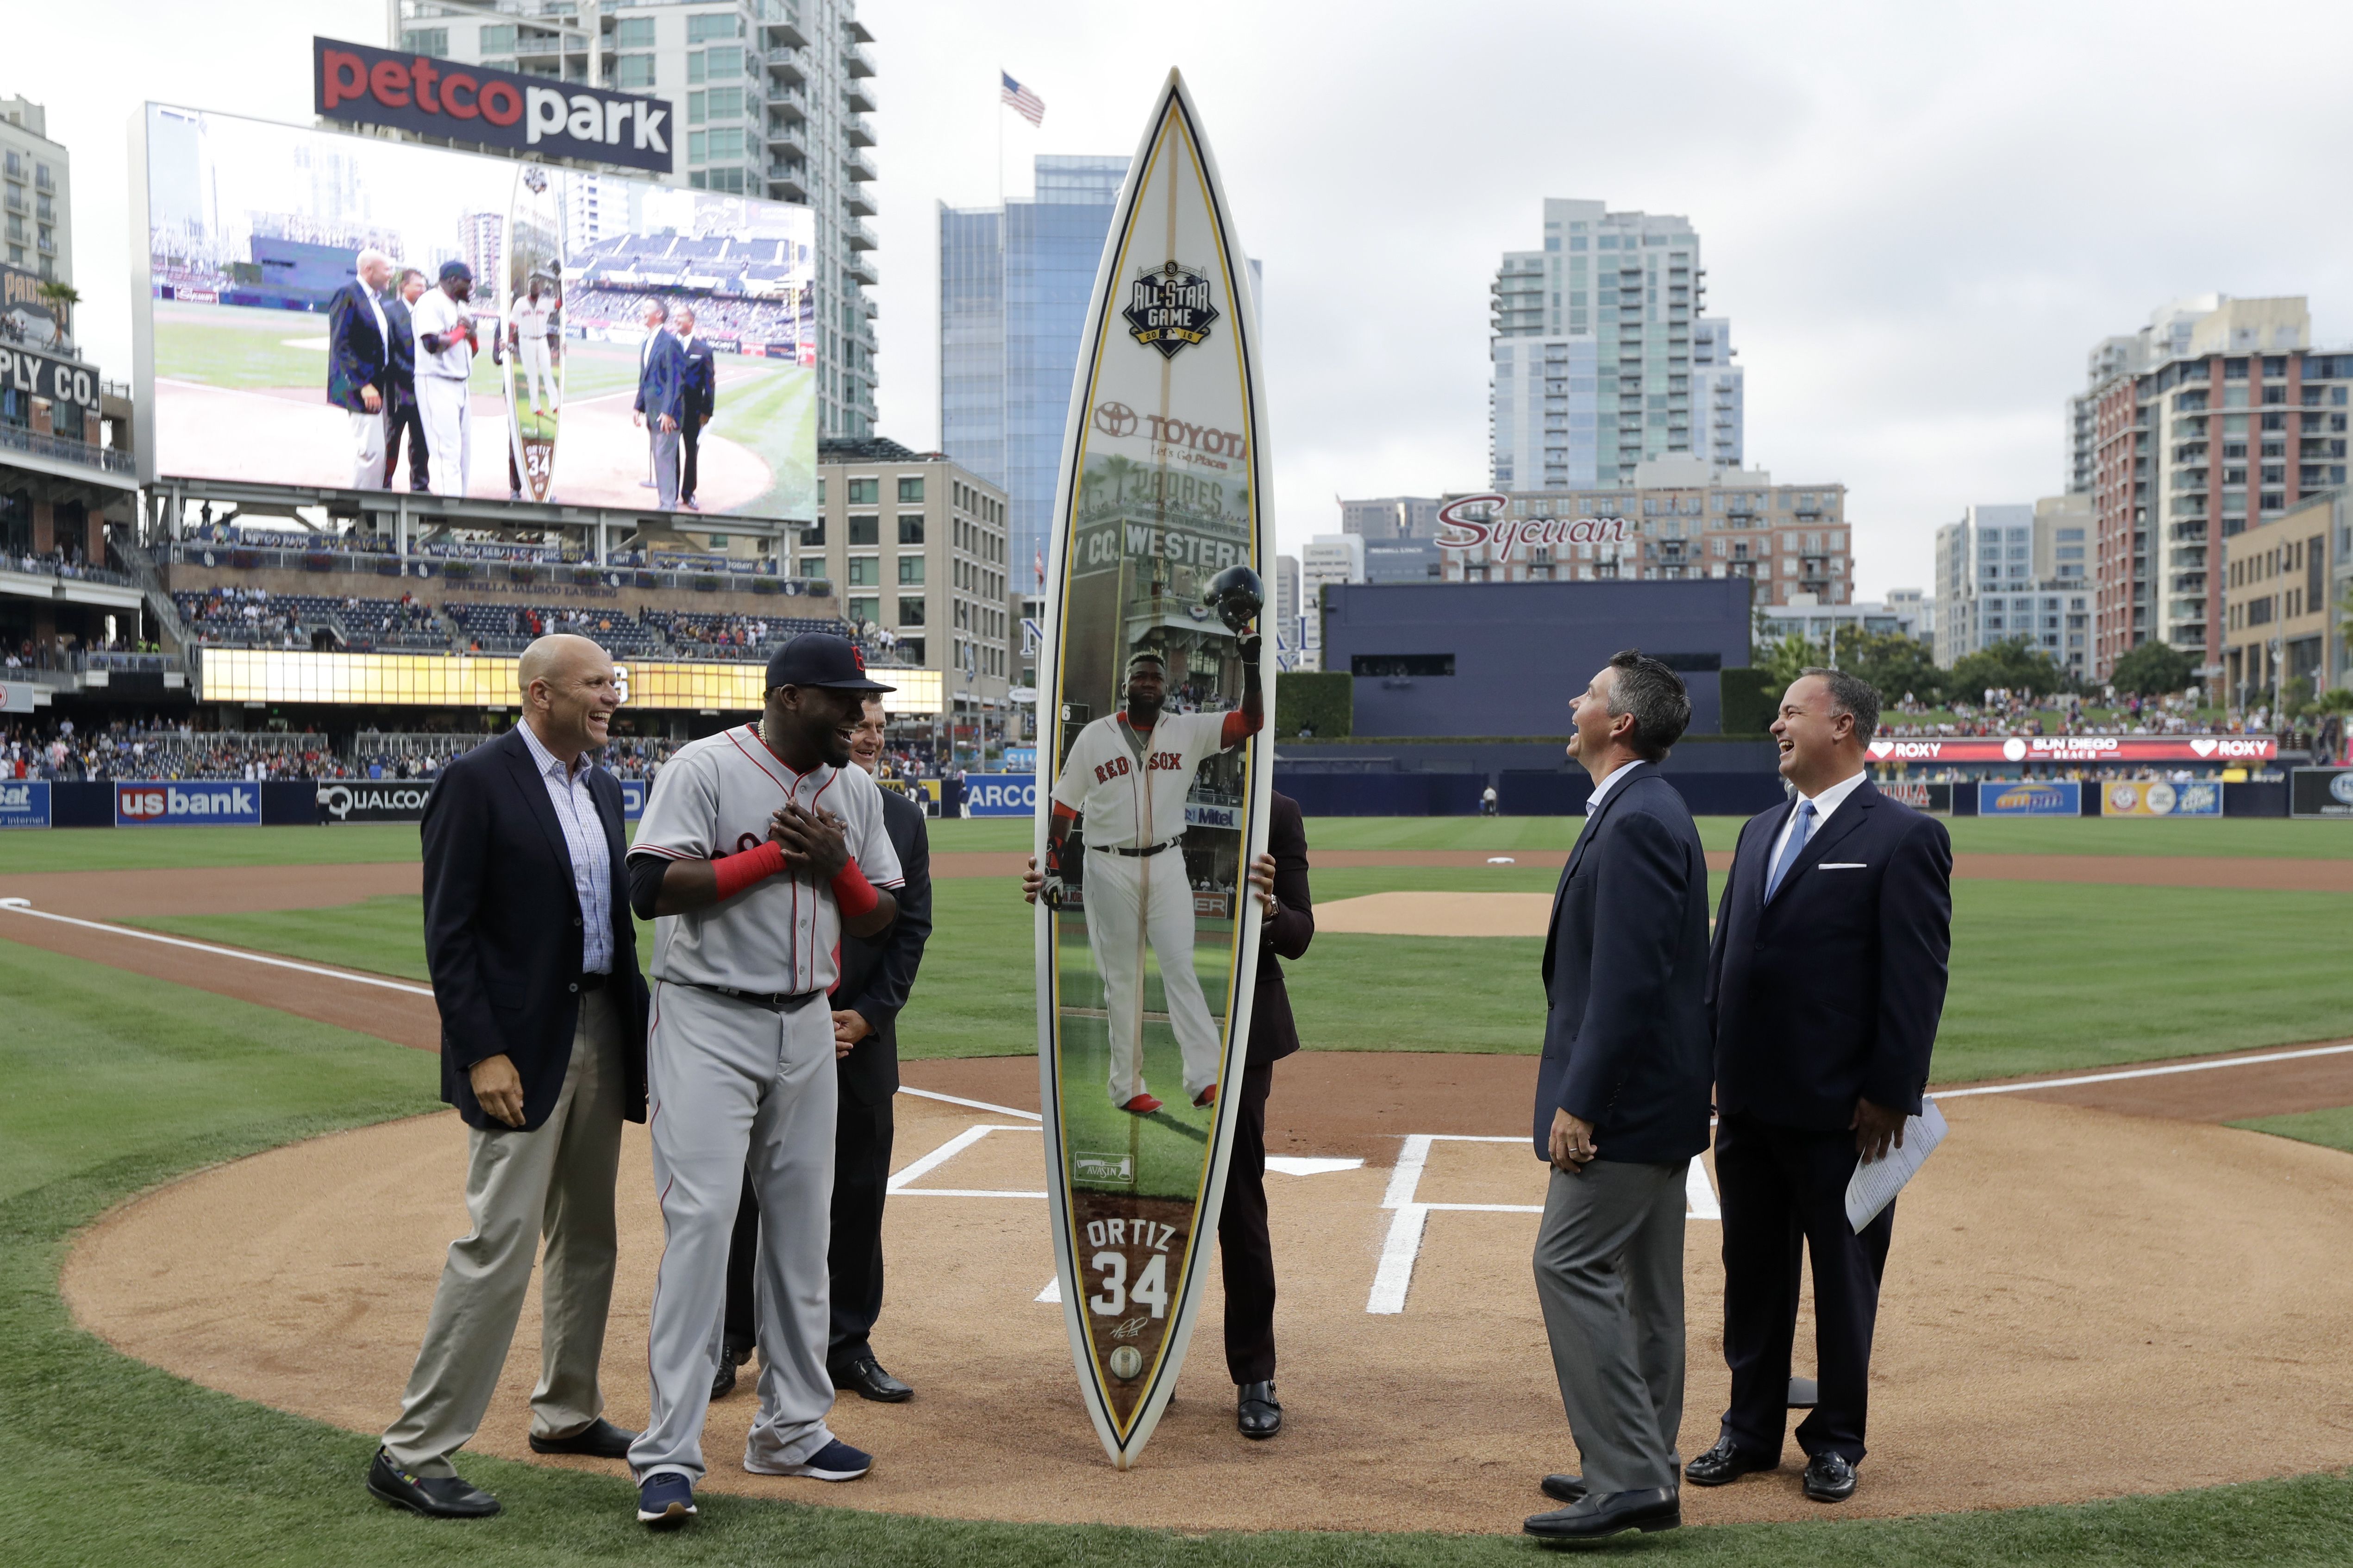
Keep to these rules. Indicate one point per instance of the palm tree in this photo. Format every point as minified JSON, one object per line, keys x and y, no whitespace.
{"x":60,"y":298}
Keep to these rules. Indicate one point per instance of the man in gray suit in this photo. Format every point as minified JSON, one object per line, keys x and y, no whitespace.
{"x":1621,"y":1108}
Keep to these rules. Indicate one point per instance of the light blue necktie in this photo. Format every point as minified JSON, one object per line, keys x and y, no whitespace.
{"x":1793,"y":850}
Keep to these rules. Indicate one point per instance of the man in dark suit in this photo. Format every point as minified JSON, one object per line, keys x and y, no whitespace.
{"x":877,"y":974}
{"x":1825,"y":982}
{"x":400,"y":406}
{"x":700,"y":397}
{"x":535,"y":963}
{"x":661,"y":398}
{"x":1278,"y":881}
{"x":359,"y":359}
{"x":1621,"y":1108}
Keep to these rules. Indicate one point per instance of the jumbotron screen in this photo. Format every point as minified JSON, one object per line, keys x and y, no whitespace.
{"x":437,"y":680}
{"x":590,"y":296}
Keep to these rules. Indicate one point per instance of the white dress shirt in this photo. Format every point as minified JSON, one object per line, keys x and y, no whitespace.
{"x":1824,"y":804}
{"x":1601,"y":791}
{"x":583,"y":836}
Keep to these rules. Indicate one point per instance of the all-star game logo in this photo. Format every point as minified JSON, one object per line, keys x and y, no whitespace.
{"x":1169,"y":309}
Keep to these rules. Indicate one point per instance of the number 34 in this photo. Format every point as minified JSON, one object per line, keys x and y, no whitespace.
{"x":1150,"y":1290}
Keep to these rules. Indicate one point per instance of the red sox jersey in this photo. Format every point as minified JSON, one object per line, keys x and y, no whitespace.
{"x":783,"y":935}
{"x":1132,"y":789}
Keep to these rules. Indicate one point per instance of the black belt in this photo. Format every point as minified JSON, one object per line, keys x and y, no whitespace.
{"x":774,"y":1001}
{"x":1137,"y":854}
{"x":591,"y":983}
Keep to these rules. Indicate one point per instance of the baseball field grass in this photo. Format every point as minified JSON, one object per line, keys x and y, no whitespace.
{"x":117,"y":1083}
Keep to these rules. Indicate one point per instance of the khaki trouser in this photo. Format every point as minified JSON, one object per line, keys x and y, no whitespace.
{"x":555,"y":1181}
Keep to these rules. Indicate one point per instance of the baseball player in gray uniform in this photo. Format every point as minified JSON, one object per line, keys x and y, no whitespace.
{"x":759,"y":848}
{"x":1128,"y":774}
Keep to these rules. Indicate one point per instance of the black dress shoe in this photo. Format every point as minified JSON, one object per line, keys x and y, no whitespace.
{"x":1829,"y":1479}
{"x":1257,"y":1413}
{"x":435,"y":1497}
{"x":866,"y":1377}
{"x":1723,"y":1463}
{"x":601,"y":1439}
{"x":1613,"y":1513}
{"x":722,"y":1382}
{"x":1563,"y":1489}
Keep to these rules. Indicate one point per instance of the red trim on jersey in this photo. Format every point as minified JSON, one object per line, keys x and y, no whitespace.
{"x":658,"y":849}
{"x":754,"y":758}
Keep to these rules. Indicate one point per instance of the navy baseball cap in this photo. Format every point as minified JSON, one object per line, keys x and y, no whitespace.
{"x":821,"y":658}
{"x":455,"y":270}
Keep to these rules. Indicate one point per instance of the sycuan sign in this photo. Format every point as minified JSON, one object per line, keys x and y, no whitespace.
{"x":493,"y":107}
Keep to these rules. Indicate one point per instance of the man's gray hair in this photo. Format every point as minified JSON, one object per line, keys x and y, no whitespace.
{"x":657,"y":305}
{"x":1656,"y":696}
{"x":369,"y":253}
{"x":1851,"y":694}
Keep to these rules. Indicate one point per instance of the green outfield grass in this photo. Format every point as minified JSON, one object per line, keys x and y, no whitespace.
{"x":116,"y":1083}
{"x":161,"y":848}
{"x":776,"y":416}
{"x":2331,"y":1129}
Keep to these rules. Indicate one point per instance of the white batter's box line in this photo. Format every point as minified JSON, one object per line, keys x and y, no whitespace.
{"x":900,"y":1182}
{"x":1393,"y":1275}
{"x":972,"y":1104}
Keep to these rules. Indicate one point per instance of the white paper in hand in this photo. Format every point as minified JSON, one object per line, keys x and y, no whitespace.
{"x":1875,"y":1182}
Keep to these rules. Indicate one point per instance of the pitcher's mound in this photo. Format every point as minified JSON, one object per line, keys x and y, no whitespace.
{"x":2079,"y":1305}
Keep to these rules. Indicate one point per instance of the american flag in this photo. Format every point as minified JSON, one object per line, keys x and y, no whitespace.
{"x":1032,"y":107}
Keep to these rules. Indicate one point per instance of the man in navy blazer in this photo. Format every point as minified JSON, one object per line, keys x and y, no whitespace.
{"x":661,"y":397}
{"x":535,"y":961}
{"x":1621,"y":1108}
{"x":359,"y":362}
{"x":699,"y":400}
{"x":1826,"y":981}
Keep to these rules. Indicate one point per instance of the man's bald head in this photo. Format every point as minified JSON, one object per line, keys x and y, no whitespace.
{"x":569,"y":692}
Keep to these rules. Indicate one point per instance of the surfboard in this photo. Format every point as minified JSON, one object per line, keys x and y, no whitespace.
{"x":1162,"y":486}
{"x":531,"y":330}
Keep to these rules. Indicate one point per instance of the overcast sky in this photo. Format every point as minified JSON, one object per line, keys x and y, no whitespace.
{"x":1917,"y":220}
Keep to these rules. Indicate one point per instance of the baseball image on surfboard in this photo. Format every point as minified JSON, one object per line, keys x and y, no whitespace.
{"x":531,"y":330}
{"x":1156,"y":775}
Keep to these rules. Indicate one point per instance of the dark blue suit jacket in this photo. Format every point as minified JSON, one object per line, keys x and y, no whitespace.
{"x":876,"y":973}
{"x":1832,"y":991}
{"x":357,"y":355}
{"x":702,"y":378}
{"x":662,"y":380}
{"x":502,"y":927}
{"x":1625,"y":967}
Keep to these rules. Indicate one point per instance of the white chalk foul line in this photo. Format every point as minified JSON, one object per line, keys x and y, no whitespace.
{"x":2336,"y":1050}
{"x":1393,"y":1277}
{"x":25,"y":907}
{"x":973,"y":1104}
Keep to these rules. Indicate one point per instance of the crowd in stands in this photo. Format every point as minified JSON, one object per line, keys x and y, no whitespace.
{"x":225,"y":535}
{"x":144,"y":748}
{"x":2004,"y":712}
{"x":248,"y":616}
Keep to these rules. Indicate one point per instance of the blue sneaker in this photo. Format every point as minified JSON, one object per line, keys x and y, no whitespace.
{"x":836,"y":1461}
{"x":665,"y":1500}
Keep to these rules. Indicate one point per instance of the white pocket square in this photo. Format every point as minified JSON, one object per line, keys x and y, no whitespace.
{"x":1843,"y":866}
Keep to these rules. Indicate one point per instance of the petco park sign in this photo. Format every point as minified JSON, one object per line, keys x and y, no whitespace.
{"x":491,"y":108}
{"x":1493,"y":526}
{"x":2080,"y":749}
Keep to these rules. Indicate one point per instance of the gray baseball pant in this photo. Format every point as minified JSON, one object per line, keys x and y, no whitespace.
{"x":734,"y":1086}
{"x":555,"y":1181}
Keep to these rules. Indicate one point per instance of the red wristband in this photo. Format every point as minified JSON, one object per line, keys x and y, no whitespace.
{"x":853,"y":893}
{"x":736,"y":872}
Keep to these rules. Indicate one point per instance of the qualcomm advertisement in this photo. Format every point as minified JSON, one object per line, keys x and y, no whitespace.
{"x":23,"y":803}
{"x":2031,"y":799}
{"x":157,"y":804}
{"x":1000,"y":795}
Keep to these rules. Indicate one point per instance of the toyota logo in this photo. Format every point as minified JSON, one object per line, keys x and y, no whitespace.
{"x":1115,"y":419}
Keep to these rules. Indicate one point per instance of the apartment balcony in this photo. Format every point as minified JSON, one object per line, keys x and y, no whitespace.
{"x":789,"y":104}
{"x":15,"y":200}
{"x":787,"y":67}
{"x":860,"y":266}
{"x":783,"y":27}
{"x":856,"y":60}
{"x":857,"y":203}
{"x":789,"y":183}
{"x":858,"y":237}
{"x":858,"y":97}
{"x":858,"y":131}
{"x":787,"y":143}
{"x":860,"y":167}
{"x":46,"y":246}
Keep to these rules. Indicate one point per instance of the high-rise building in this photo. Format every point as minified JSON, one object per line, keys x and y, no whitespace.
{"x":771,"y":98}
{"x":1385,"y":518}
{"x":1683,"y":519}
{"x":1014,"y":283}
{"x":1286,"y":611}
{"x":38,"y":192}
{"x":1326,"y":558}
{"x":1601,"y":358}
{"x":2283,"y":583}
{"x":2010,"y":571}
{"x":2220,"y":417}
